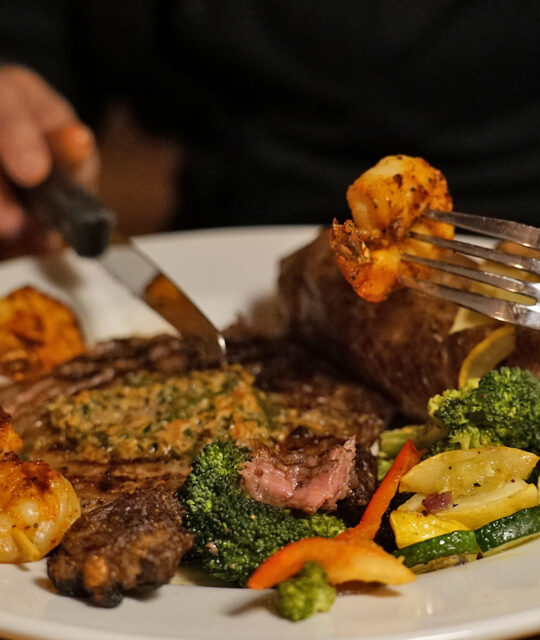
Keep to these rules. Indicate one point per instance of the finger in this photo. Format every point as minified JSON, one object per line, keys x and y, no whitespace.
{"x":11,"y":215}
{"x":74,"y":148}
{"x":24,"y":153}
{"x":71,"y":144}
{"x":50,"y":109}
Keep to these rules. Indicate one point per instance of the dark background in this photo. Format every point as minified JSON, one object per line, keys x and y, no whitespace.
{"x":232,"y":112}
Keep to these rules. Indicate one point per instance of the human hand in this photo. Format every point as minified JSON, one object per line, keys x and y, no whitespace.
{"x":38,"y":128}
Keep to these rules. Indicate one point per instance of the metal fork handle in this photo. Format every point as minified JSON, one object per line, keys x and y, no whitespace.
{"x":532,"y":265}
{"x":507,"y":283}
{"x":496,"y":228}
{"x":503,"y":310}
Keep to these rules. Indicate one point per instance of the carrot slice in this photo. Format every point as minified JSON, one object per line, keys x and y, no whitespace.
{"x":343,"y":561}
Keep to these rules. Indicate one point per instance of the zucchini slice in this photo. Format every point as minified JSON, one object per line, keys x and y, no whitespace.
{"x":508,"y":531}
{"x":446,"y":550}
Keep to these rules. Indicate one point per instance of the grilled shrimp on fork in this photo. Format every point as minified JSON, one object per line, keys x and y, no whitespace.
{"x":386,"y":202}
{"x":402,"y":230}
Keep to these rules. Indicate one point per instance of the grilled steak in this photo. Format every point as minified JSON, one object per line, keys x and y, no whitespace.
{"x":401,"y":346}
{"x":130,"y":545}
{"x":131,"y":414}
{"x":309,"y":473}
{"x":362,"y":485}
{"x":123,"y":421}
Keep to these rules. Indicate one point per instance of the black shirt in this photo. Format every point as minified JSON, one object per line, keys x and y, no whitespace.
{"x":281,"y":105}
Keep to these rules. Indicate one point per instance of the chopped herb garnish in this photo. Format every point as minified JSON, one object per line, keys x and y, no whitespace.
{"x":166,"y":416}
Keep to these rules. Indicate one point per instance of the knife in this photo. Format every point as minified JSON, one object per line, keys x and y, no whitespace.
{"x":90,"y":229}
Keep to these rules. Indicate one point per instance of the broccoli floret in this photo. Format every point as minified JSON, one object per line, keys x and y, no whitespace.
{"x":501,"y":408}
{"x":233,"y":532}
{"x":305,"y":594}
{"x":391,"y":441}
{"x":467,"y":437}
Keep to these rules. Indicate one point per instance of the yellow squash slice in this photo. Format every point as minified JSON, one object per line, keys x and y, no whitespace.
{"x":463,"y":470}
{"x":411,"y":527}
{"x":483,"y":505}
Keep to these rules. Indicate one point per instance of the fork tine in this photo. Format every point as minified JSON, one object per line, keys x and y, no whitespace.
{"x":531,"y":289}
{"x":532,"y":265}
{"x":504,"y":229}
{"x":512,"y":312}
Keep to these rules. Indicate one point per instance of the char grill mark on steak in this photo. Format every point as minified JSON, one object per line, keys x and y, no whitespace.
{"x":308,"y":473}
{"x":97,"y":483}
{"x":106,"y":362}
{"x":128,"y":546}
{"x":362,"y":485}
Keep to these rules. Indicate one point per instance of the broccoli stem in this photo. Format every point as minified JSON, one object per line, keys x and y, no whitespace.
{"x":307,"y":593}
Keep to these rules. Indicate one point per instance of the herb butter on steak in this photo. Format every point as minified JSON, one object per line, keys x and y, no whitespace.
{"x":150,"y":416}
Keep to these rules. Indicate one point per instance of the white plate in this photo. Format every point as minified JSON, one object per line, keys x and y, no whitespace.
{"x":225,"y":270}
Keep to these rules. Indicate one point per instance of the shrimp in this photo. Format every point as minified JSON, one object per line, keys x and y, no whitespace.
{"x":386,"y":202}
{"x":37,"y":504}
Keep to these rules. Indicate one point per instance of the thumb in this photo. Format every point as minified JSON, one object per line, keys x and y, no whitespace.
{"x":73,"y":147}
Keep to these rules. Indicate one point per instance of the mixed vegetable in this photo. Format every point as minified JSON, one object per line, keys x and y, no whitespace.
{"x":233,"y":532}
{"x":501,"y":408}
{"x":453,"y":490}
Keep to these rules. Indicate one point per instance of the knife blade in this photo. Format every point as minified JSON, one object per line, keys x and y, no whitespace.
{"x":89,"y":228}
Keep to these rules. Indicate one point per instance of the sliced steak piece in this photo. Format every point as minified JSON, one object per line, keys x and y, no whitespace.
{"x":309,"y":472}
{"x":312,"y":477}
{"x":128,"y":546}
{"x":362,"y":485}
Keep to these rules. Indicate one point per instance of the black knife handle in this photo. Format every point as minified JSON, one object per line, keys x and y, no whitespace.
{"x":80,"y":218}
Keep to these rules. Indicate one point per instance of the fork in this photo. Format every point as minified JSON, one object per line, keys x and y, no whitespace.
{"x":527,"y":315}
